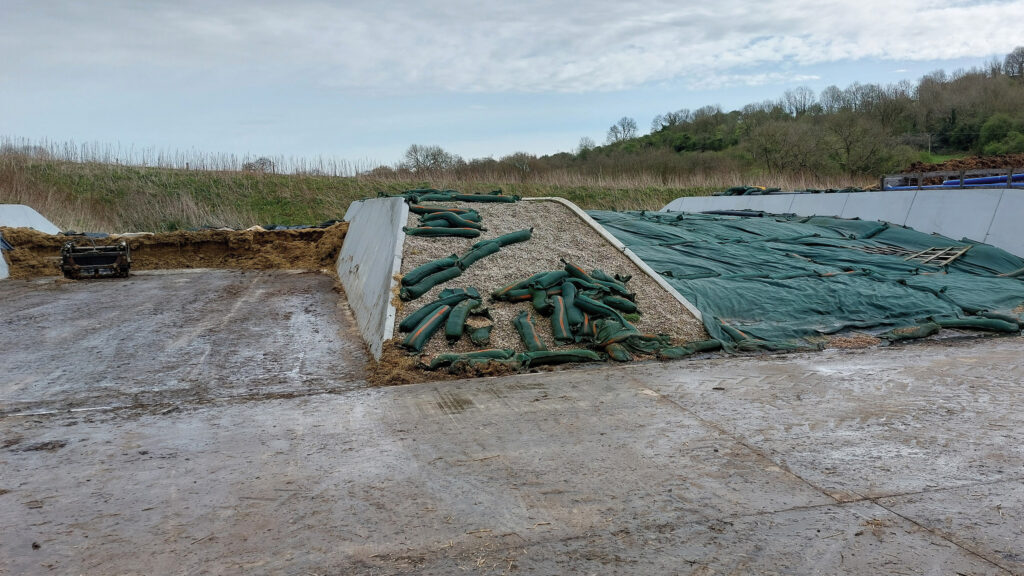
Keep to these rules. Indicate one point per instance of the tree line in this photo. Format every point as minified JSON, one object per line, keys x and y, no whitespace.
{"x":859,"y":130}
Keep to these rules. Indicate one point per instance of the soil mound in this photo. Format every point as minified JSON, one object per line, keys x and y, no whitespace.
{"x":1002,"y":161}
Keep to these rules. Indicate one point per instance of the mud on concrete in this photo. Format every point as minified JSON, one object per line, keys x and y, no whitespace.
{"x":37,"y":254}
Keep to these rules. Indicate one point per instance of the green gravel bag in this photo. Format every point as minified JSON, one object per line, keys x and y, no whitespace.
{"x":481,"y":336}
{"x":512,"y":237}
{"x":577,"y":272}
{"x":560,"y":320}
{"x":574,"y":316}
{"x":419,"y":337}
{"x":438,"y":232}
{"x":484,"y":198}
{"x":540,"y":301}
{"x":479,"y":251}
{"x":676,"y":352}
{"x":449,"y":297}
{"x":550,"y":279}
{"x":448,"y":219}
{"x":990,"y":324}
{"x":618,"y":352}
{"x":521,"y":285}
{"x":544,"y":357}
{"x":420,"y":272}
{"x":456,"y":323}
{"x":442,"y":360}
{"x":620,"y":304}
{"x":423,"y":286}
{"x":910,"y":332}
{"x":528,"y":332}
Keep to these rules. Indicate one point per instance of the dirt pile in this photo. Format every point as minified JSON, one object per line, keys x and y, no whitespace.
{"x":1002,"y":161}
{"x":36,"y":254}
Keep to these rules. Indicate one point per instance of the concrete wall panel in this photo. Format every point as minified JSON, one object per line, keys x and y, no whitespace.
{"x":818,"y":204}
{"x":954,"y":213}
{"x":773,"y":204}
{"x":370,"y":258}
{"x":892,"y":206}
{"x":1005,"y":230}
{"x":991,"y":215}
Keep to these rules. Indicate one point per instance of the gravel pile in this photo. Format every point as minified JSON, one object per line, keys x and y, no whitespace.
{"x":557,"y":233}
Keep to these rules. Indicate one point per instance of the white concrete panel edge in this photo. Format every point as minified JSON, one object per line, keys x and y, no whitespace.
{"x":622,"y":248}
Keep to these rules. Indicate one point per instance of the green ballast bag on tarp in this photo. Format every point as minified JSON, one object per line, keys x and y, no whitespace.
{"x":456,"y":323}
{"x":423,"y":286}
{"x":911,"y":332}
{"x":560,"y":320}
{"x":442,"y":360}
{"x":448,"y":219}
{"x":479,"y":251}
{"x":483,"y":198}
{"x":510,"y":238}
{"x":437,"y":232}
{"x":990,"y":324}
{"x":420,"y":272}
{"x":528,"y":332}
{"x":418,"y":337}
{"x":450,"y":297}
{"x":543,"y":357}
{"x":676,"y":352}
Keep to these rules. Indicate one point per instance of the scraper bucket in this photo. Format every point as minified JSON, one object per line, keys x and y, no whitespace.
{"x":94,"y":261}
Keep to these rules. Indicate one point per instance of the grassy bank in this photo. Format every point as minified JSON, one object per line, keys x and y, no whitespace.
{"x":119,"y":198}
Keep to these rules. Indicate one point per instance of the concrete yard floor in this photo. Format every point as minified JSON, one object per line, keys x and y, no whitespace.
{"x":903,"y":460}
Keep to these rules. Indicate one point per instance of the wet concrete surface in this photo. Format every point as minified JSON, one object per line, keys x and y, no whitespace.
{"x":167,"y":337}
{"x":905,"y":460}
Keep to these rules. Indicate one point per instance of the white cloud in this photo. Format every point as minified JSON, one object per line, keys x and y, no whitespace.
{"x":464,"y":46}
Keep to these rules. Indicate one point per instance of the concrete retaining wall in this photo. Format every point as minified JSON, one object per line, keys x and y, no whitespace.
{"x":990,"y":215}
{"x":370,"y":259}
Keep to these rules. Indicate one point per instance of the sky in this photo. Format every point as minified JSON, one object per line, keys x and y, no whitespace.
{"x":362,"y":80}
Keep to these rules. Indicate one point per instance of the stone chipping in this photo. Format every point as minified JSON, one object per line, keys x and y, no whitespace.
{"x":557,"y":233}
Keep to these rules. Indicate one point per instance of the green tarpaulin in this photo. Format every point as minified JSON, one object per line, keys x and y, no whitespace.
{"x":781,"y":282}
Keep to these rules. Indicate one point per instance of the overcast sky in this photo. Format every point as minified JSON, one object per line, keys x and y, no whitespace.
{"x":364,"y":79}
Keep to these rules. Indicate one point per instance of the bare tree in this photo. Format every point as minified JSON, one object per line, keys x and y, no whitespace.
{"x":799,"y":100}
{"x":586,"y":145}
{"x":671,"y":119}
{"x":419,"y":158}
{"x":831,"y":99}
{"x":624,"y":129}
{"x":1013,"y":65}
